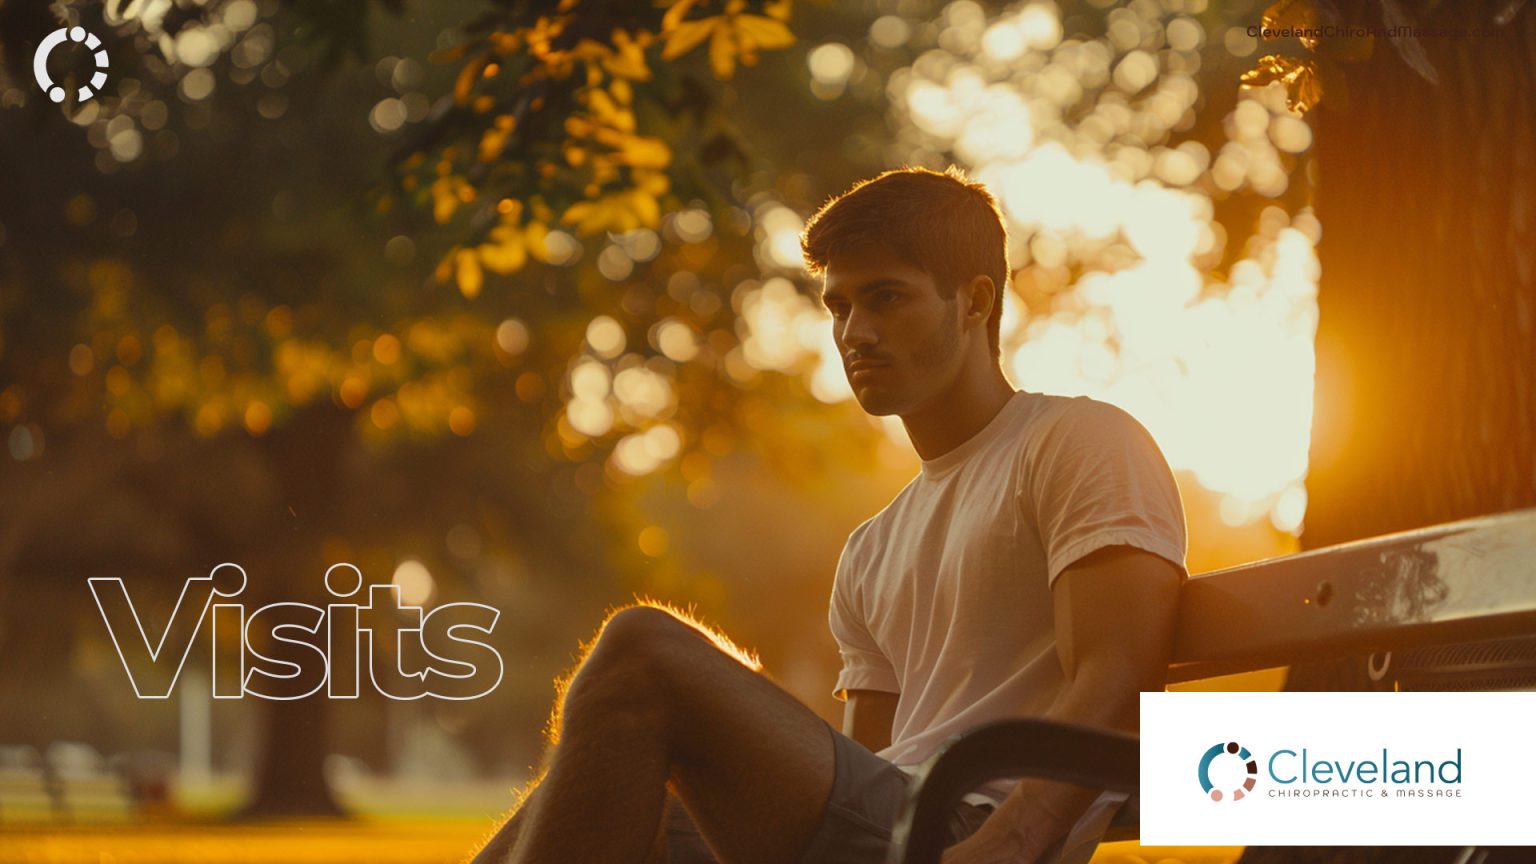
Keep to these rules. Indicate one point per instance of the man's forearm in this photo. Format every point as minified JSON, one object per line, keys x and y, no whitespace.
{"x":1038,"y":812}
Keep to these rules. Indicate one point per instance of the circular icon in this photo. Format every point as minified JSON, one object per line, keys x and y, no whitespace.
{"x":54,"y":40}
{"x":1240,"y":752}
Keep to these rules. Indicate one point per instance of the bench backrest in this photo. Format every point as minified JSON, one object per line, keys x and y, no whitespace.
{"x":1462,"y":582}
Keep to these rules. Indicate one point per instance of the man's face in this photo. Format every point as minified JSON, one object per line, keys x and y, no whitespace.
{"x":899,"y":340}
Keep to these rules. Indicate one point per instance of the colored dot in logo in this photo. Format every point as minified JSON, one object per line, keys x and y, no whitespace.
{"x":1251,"y":766}
{"x":54,"y":40}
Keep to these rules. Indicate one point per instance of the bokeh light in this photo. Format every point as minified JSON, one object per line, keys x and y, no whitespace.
{"x":1113,"y":235}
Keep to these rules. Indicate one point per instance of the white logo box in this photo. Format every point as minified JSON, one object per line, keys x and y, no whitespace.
{"x":1488,"y":797}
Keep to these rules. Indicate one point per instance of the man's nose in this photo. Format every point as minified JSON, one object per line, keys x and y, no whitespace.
{"x":858,"y":329}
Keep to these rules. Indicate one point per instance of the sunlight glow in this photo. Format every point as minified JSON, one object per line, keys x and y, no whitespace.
{"x":1118,"y":290}
{"x":415,"y":583}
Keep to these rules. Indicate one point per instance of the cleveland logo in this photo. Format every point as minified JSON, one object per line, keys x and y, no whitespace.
{"x":292,"y":650}
{"x":1235,"y":749}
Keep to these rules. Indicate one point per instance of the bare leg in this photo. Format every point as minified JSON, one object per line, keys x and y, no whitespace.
{"x":656,"y":701}
{"x":498,"y":849}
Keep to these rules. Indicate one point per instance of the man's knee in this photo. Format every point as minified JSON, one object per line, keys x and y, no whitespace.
{"x":636,"y":660}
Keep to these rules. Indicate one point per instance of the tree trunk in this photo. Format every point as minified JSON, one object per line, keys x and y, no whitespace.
{"x":1426,"y":343}
{"x":306,"y":458}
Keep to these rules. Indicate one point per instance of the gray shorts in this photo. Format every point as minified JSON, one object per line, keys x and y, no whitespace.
{"x":855,"y":828}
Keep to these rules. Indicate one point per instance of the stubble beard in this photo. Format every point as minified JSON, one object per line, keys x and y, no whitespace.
{"x":935,"y":353}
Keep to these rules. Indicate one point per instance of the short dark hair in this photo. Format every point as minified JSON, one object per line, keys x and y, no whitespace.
{"x":940,"y":222}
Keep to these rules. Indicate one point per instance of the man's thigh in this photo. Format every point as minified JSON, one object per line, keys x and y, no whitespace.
{"x":855,"y":824}
{"x":742,"y":752}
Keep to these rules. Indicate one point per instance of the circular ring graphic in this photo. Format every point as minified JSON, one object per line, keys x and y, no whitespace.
{"x":1242,"y":753}
{"x":54,"y":40}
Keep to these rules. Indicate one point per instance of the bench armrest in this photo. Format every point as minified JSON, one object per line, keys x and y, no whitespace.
{"x":1045,"y":749}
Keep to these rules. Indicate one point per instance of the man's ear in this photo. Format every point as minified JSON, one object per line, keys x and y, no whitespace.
{"x":979,"y":296}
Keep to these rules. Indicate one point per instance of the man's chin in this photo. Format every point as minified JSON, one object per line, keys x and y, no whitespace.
{"x":875,"y":402}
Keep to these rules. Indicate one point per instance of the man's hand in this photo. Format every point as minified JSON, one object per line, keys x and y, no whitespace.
{"x":995,"y":842}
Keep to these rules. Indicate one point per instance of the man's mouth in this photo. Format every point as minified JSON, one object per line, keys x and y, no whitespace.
{"x":865,"y":366}
{"x":863,"y":370}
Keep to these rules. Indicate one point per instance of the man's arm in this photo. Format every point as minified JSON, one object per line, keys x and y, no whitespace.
{"x":868,"y":716}
{"x":1115,"y":613}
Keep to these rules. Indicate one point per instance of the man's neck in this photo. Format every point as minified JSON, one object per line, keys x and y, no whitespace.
{"x":958,"y":414}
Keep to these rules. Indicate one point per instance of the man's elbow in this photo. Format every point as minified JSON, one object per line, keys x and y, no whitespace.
{"x":1111,"y":691}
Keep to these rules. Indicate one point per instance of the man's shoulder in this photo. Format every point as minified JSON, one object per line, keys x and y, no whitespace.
{"x":1073,"y":420}
{"x":876,"y":525}
{"x":1044,"y":422}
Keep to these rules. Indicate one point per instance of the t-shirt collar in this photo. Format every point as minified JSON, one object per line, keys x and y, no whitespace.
{"x":948,"y":461}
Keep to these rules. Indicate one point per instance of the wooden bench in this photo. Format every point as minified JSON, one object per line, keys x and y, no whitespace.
{"x":1452,"y":607}
{"x":69,"y":783}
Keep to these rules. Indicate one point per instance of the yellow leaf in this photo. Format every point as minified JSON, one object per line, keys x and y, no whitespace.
{"x":491,"y":144}
{"x":777,"y":9}
{"x":467,"y":271}
{"x":535,"y":237}
{"x":447,"y":55}
{"x":624,"y":211}
{"x":1305,"y":91}
{"x":647,"y":152}
{"x":674,"y":16}
{"x":687,"y":36}
{"x":589,"y":217}
{"x":602,"y":105}
{"x":505,"y":43}
{"x":627,"y":59}
{"x":1269,"y":69}
{"x":646,"y":209}
{"x":446,"y":197}
{"x":722,"y":53}
{"x":760,"y":32}
{"x":465,"y":84}
{"x":1303,"y":87}
{"x":655,"y":183}
{"x":505,"y":233}
{"x":1288,"y":13}
{"x":507,"y":256}
{"x":444,"y":269}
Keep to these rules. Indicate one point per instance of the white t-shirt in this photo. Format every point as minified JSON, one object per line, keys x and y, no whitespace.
{"x":944,"y":596}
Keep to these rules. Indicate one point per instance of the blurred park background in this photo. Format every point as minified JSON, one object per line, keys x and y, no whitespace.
{"x":503,"y":303}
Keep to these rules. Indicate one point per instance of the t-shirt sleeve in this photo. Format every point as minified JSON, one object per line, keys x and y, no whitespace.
{"x":1098,"y":479}
{"x":865,"y":667}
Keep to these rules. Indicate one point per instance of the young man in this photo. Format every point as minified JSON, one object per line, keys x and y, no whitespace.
{"x":1031,"y":568}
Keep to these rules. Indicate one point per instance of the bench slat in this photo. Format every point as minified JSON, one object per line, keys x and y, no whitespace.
{"x":1461,"y":581}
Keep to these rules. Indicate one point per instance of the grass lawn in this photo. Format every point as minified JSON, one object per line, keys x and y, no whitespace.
{"x":400,"y":824}
{"x":401,"y":841}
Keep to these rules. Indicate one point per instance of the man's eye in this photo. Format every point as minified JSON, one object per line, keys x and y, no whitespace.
{"x":887,"y":296}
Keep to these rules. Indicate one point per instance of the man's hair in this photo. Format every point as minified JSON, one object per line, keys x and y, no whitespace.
{"x":940,"y":222}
